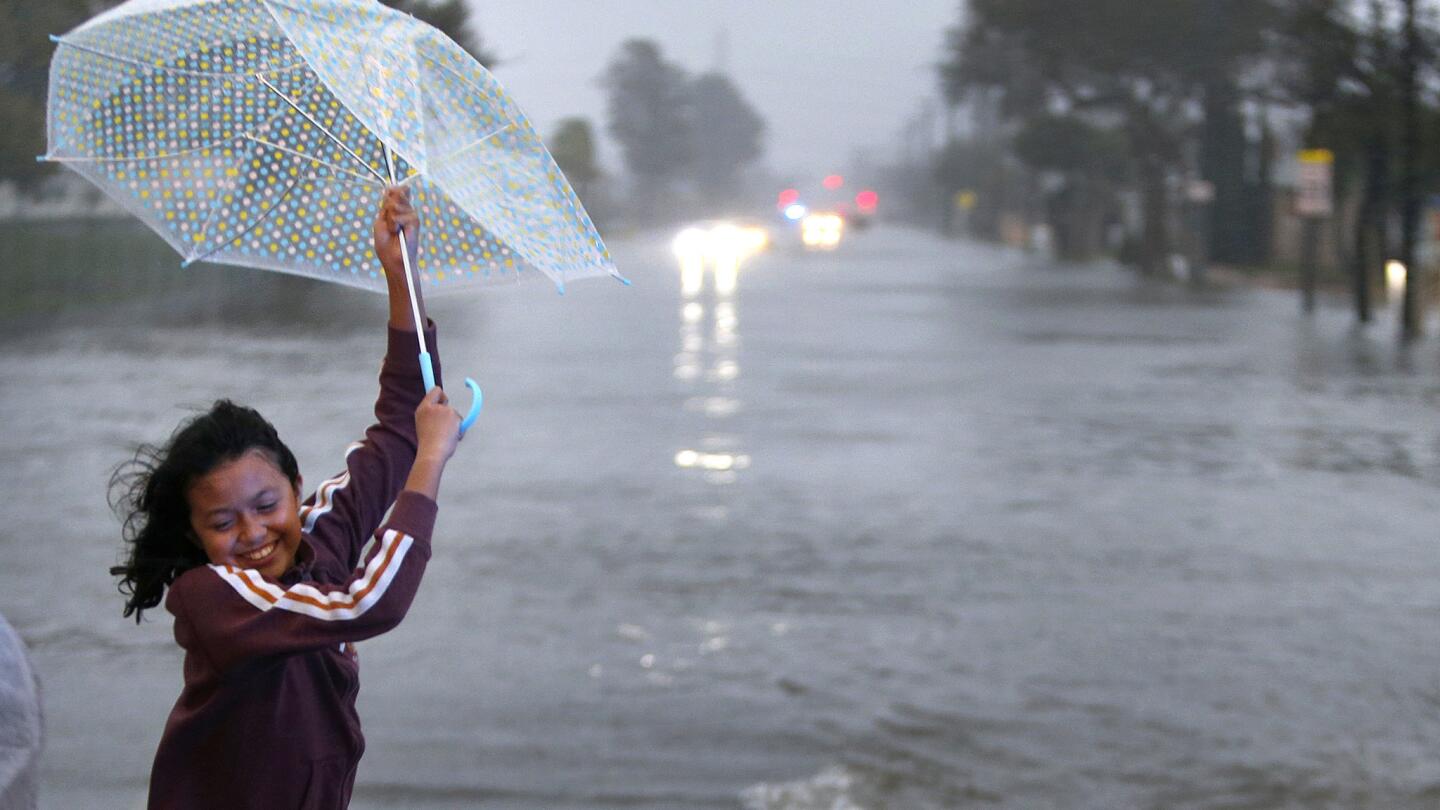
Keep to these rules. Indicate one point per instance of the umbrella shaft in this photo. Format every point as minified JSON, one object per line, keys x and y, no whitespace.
{"x":414,"y":298}
{"x":410,"y":285}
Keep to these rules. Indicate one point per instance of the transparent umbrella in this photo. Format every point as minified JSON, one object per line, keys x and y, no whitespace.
{"x":259,"y":132}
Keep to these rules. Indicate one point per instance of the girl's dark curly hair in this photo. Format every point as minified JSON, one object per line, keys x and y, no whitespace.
{"x":150,"y":493}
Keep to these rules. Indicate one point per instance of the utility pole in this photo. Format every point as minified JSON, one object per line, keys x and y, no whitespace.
{"x":1371,"y":240}
{"x":1313,"y":202}
{"x":1410,"y":319}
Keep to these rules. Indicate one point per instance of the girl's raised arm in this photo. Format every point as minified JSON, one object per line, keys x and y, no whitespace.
{"x":397,"y":213}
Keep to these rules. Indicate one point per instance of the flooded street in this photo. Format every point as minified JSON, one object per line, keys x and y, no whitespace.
{"x":916,"y":524}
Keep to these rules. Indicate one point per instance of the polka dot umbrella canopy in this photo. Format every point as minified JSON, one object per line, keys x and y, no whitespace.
{"x":260,"y":132}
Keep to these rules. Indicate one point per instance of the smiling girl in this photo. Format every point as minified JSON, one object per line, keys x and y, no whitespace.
{"x":270,"y":594}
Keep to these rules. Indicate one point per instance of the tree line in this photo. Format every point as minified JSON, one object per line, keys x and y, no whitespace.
{"x":685,"y":140}
{"x":1179,"y":106}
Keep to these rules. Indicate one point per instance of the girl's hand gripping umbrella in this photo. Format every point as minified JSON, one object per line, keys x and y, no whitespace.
{"x":396,"y":219}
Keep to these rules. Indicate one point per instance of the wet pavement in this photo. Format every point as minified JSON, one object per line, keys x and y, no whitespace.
{"x":914,"y":524}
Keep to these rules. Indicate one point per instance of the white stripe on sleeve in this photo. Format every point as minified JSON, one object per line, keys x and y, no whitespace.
{"x":328,"y":605}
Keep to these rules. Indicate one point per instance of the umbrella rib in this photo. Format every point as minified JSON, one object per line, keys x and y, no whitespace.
{"x":165,"y":68}
{"x":457,"y":152}
{"x":311,"y":158}
{"x":212,"y":145}
{"x":458,"y":75}
{"x":189,"y":260}
{"x":320,"y":127}
{"x":137,"y":158}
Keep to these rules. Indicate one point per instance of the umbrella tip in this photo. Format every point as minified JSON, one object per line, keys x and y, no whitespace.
{"x":54,"y":38}
{"x":41,"y":158}
{"x":186,"y":263}
{"x":560,"y":288}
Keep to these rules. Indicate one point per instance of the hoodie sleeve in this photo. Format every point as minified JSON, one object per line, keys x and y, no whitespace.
{"x":344,"y":510}
{"x":231,"y":615}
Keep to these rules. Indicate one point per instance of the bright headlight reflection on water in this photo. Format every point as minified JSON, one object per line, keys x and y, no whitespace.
{"x":707,"y":360}
{"x":716,"y":462}
{"x":690,"y":250}
{"x":726,"y":324}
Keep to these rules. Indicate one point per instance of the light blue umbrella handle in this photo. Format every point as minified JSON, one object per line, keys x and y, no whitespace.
{"x":477,"y":401}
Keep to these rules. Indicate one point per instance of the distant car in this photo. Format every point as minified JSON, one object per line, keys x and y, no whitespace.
{"x":720,"y":246}
{"x":821,"y":230}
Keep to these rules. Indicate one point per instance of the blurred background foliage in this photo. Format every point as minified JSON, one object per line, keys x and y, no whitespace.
{"x":1181,"y":119}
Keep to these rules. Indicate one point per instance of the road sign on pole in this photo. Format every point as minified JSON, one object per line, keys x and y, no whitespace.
{"x":1313,"y":189}
{"x":1312,"y":203}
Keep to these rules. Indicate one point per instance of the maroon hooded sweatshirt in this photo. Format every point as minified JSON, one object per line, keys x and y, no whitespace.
{"x":267,"y":715}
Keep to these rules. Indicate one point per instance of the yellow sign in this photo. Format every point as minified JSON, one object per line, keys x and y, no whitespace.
{"x":1313,"y":181}
{"x":965,"y":199}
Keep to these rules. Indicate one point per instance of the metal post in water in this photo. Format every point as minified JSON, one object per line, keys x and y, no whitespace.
{"x":1309,"y":255}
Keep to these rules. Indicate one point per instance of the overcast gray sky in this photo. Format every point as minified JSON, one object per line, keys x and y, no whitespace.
{"x":827,"y":75}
